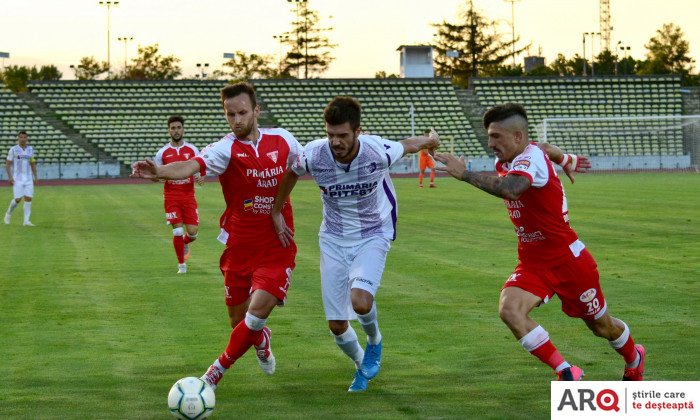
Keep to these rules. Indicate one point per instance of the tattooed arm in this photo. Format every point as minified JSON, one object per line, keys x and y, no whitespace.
{"x":509,"y":187}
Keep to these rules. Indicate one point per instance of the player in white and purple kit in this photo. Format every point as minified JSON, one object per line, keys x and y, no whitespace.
{"x":359,"y":223}
{"x":21,"y":172}
{"x":552,"y":259}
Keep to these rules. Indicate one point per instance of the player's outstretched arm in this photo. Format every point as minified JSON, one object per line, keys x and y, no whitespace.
{"x":570,"y":163}
{"x":510,"y":187}
{"x":148,"y":169}
{"x":415,"y":144}
{"x":284,"y":232}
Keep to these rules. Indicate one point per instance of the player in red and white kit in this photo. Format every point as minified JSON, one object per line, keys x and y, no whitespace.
{"x":552,"y":260}
{"x":257,"y":269}
{"x":178,"y":194}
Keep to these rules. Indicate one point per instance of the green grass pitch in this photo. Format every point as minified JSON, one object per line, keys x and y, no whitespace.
{"x":96,"y":324}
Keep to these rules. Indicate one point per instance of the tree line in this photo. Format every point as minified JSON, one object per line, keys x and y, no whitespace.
{"x":471,"y":46}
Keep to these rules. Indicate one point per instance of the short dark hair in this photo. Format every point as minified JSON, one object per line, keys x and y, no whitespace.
{"x":176,"y":118}
{"x":502,"y":112}
{"x":343,"y":109}
{"x":236,"y":89}
{"x":22,"y":132}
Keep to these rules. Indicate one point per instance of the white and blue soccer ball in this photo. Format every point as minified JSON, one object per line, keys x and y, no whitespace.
{"x":191,"y":398}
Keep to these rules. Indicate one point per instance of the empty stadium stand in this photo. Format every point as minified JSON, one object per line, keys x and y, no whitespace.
{"x":585,"y":97}
{"x":51,"y":146}
{"x":127,"y":118}
{"x":298,"y":106}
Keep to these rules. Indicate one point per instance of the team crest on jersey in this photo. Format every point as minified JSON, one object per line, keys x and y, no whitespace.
{"x":186,"y":155}
{"x":521,"y":165}
{"x":248,"y":204}
{"x":587,"y":296}
{"x":273,"y":156}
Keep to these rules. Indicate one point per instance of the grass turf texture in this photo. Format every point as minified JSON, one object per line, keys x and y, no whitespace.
{"x":95,"y":322}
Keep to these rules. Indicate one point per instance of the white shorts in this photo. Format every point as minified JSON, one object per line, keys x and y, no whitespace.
{"x":344,"y":267}
{"x":23,"y":189}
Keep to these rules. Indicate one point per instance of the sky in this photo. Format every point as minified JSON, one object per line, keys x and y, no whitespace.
{"x":368,"y":32}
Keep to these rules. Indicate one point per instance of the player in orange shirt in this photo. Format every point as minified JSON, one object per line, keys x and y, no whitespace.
{"x":425,"y":161}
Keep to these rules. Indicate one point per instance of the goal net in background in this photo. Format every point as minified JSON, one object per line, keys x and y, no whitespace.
{"x":628,"y":143}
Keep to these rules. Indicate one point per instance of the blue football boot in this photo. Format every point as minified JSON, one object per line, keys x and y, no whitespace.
{"x":359,"y":384}
{"x":371,"y":362}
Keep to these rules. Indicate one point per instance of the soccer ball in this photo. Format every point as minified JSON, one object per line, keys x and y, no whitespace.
{"x":191,"y":398}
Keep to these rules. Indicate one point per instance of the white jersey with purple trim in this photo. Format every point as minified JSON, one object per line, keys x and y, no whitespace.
{"x":359,"y":200}
{"x":21,"y":163}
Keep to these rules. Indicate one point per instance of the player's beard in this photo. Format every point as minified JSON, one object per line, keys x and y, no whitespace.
{"x":339,"y":155}
{"x":243,"y":131}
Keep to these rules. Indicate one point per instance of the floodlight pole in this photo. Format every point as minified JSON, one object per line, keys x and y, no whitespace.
{"x":593,"y":34}
{"x":125,"y":40}
{"x":512,"y":24}
{"x":584,"y":54}
{"x":282,"y":39}
{"x":109,"y":5}
{"x":306,"y":36}
{"x":201,"y":67}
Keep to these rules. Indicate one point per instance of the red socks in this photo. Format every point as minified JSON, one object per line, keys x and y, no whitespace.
{"x":242,"y":338}
{"x":179,"y":244}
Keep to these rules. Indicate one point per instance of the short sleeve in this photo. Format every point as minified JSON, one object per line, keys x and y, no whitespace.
{"x":216,"y":156}
{"x":10,"y":157}
{"x":531,"y":164}
{"x":301,"y":165}
{"x":393,"y":150}
{"x":158,"y":158}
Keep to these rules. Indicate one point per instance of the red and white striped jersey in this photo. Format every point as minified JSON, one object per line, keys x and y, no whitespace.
{"x":177,"y":188}
{"x":540,"y":215}
{"x":249,"y":175}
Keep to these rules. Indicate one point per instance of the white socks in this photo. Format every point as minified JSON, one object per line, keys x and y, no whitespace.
{"x":534,"y":338}
{"x":27,"y":211}
{"x":348,"y":343}
{"x":253,"y":322}
{"x":370,"y":325}
{"x":13,"y":204}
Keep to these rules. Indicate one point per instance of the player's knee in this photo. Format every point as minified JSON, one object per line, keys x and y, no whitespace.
{"x":362,"y":303}
{"x":338,"y":327}
{"x":509,"y":313}
{"x":604,"y":328}
{"x":178,"y":231}
{"x":362,"y":308}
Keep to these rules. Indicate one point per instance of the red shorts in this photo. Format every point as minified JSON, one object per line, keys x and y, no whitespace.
{"x":577,"y":283}
{"x":247,"y":269}
{"x":181,"y":210}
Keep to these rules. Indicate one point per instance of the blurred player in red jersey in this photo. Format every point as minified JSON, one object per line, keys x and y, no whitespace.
{"x":552,"y":259}
{"x":425,"y":161}
{"x":257,"y":269}
{"x":179,"y":200}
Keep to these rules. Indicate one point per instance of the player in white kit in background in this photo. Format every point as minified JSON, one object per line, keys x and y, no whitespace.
{"x":21,"y":172}
{"x":359,"y":223}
